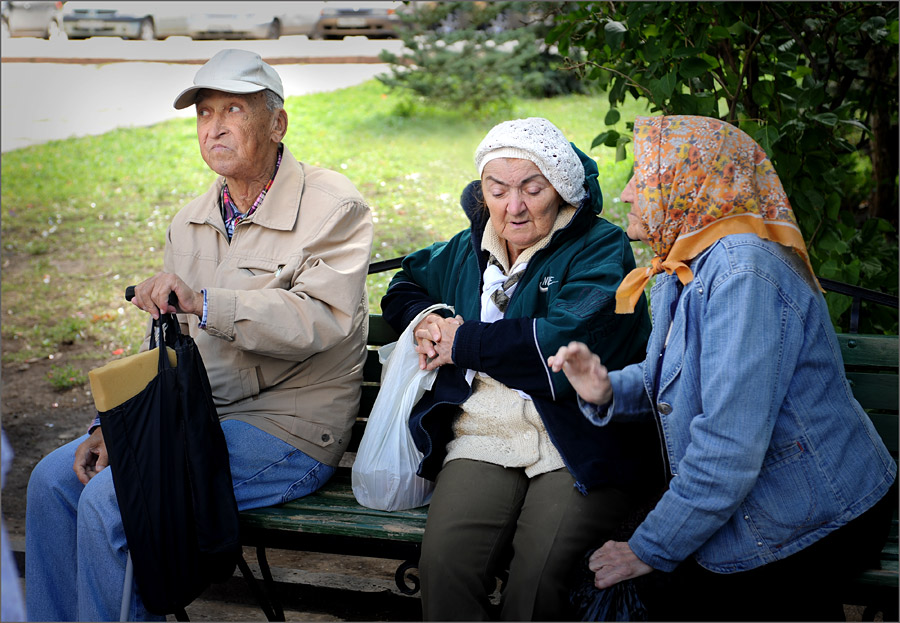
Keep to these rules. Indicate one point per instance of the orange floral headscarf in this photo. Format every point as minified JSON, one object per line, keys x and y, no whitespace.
{"x":699,"y":179}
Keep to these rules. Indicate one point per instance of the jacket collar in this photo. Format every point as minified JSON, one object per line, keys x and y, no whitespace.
{"x":273,"y":212}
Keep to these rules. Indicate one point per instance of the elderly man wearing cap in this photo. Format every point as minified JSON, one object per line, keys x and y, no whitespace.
{"x":269,"y":267}
{"x":522,"y":483}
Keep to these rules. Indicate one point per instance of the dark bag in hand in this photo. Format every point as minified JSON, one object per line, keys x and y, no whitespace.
{"x":172,"y":478}
{"x":619,"y":602}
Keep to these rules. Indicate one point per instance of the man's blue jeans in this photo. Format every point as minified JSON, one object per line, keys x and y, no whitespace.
{"x":75,"y":545}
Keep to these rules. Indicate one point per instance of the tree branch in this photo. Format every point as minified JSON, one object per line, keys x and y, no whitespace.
{"x":618,"y":73}
{"x":814,"y":64}
{"x":745,"y":65}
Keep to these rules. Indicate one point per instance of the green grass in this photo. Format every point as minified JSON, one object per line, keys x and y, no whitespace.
{"x":66,"y":377}
{"x":83,"y":218}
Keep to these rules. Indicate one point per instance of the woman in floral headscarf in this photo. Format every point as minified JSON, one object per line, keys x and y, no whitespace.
{"x":778,"y":481}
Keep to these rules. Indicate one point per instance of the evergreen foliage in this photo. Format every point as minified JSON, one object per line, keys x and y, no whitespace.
{"x":476,"y":56}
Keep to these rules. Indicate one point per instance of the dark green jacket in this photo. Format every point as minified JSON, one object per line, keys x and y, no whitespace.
{"x":567,"y":293}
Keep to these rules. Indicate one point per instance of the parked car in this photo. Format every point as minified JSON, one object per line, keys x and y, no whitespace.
{"x":376,"y":20}
{"x":129,"y":20}
{"x":233,"y":20}
{"x":296,"y":18}
{"x":198,"y":20}
{"x":248,"y":20}
{"x":33,"y":18}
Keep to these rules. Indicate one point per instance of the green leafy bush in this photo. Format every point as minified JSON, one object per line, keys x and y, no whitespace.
{"x":814,"y":83}
{"x":476,"y":56}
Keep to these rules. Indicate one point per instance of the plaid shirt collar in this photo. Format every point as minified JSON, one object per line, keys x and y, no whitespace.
{"x":230,"y":214}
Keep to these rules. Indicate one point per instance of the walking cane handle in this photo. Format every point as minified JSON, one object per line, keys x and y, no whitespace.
{"x":129,"y":294}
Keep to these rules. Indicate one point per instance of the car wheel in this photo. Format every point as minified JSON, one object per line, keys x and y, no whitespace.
{"x":147,"y":33}
{"x":274,"y":31}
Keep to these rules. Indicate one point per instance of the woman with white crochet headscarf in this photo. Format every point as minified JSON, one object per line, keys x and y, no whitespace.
{"x":524,"y":484}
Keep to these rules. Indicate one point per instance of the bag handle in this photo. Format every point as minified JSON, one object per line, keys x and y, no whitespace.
{"x":172,"y":328}
{"x":167,"y":326}
{"x":422,"y":314}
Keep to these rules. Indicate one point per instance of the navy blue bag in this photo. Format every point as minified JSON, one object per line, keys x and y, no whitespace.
{"x":172,"y":478}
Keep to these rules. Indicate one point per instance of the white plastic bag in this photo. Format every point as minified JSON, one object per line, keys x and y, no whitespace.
{"x":384,"y":472}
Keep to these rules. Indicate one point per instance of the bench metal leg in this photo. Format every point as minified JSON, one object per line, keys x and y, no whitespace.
{"x":270,"y":582}
{"x":406,"y":579}
{"x":258,"y":592}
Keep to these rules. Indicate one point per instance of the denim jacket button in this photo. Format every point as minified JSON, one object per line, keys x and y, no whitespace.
{"x":664,"y":407}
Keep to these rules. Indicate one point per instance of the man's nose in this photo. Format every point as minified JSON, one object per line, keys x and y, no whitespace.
{"x":216,"y":126}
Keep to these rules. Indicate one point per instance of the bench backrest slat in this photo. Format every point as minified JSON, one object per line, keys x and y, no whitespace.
{"x":871,"y":362}
{"x":871,"y":351}
{"x":380,"y":332}
{"x":887,"y":426}
{"x":875,"y":391}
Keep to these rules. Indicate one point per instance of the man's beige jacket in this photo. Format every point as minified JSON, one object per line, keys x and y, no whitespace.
{"x":287,"y":319}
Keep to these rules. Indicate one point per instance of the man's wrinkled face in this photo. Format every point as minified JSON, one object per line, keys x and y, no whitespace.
{"x":236,"y":132}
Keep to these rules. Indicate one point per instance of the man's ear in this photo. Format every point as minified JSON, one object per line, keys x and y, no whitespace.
{"x":280,"y":125}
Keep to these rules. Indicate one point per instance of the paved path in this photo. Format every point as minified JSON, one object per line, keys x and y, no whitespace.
{"x":59,"y":89}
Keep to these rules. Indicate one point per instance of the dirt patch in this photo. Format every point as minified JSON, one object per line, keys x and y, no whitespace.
{"x":37,"y":419}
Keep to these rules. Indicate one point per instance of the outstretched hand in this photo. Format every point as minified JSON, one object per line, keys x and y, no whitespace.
{"x":587,"y":375}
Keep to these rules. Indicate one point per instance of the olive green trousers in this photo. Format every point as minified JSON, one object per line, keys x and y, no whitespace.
{"x":485,"y":519}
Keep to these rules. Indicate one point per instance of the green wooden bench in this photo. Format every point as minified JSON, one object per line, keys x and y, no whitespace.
{"x":331,"y":521}
{"x":871,"y":362}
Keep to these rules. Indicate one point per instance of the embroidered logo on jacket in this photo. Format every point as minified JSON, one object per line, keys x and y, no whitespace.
{"x":546,"y":282}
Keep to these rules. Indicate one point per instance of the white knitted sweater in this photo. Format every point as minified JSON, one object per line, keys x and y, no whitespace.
{"x":497,"y":425}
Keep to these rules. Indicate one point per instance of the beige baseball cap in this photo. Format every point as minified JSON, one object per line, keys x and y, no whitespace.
{"x":232,"y":71}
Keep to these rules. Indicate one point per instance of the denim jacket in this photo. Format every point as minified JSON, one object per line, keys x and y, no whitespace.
{"x":767,"y":448}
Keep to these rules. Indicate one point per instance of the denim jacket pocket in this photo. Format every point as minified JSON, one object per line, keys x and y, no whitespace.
{"x":786,"y":502}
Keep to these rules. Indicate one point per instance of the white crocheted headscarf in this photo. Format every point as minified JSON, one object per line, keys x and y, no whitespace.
{"x":541,"y":142}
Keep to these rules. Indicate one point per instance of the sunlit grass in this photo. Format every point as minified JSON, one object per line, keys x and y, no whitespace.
{"x":83,"y":218}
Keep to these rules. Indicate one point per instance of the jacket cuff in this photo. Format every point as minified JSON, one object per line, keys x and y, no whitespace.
{"x":220,"y":312}
{"x":205,"y":315}
{"x":598,"y":415}
{"x":641,"y":548}
{"x":467,"y":345}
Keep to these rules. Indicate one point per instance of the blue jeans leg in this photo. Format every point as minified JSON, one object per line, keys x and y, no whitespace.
{"x":266,"y":470}
{"x":75,"y":543}
{"x":50,"y":567}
